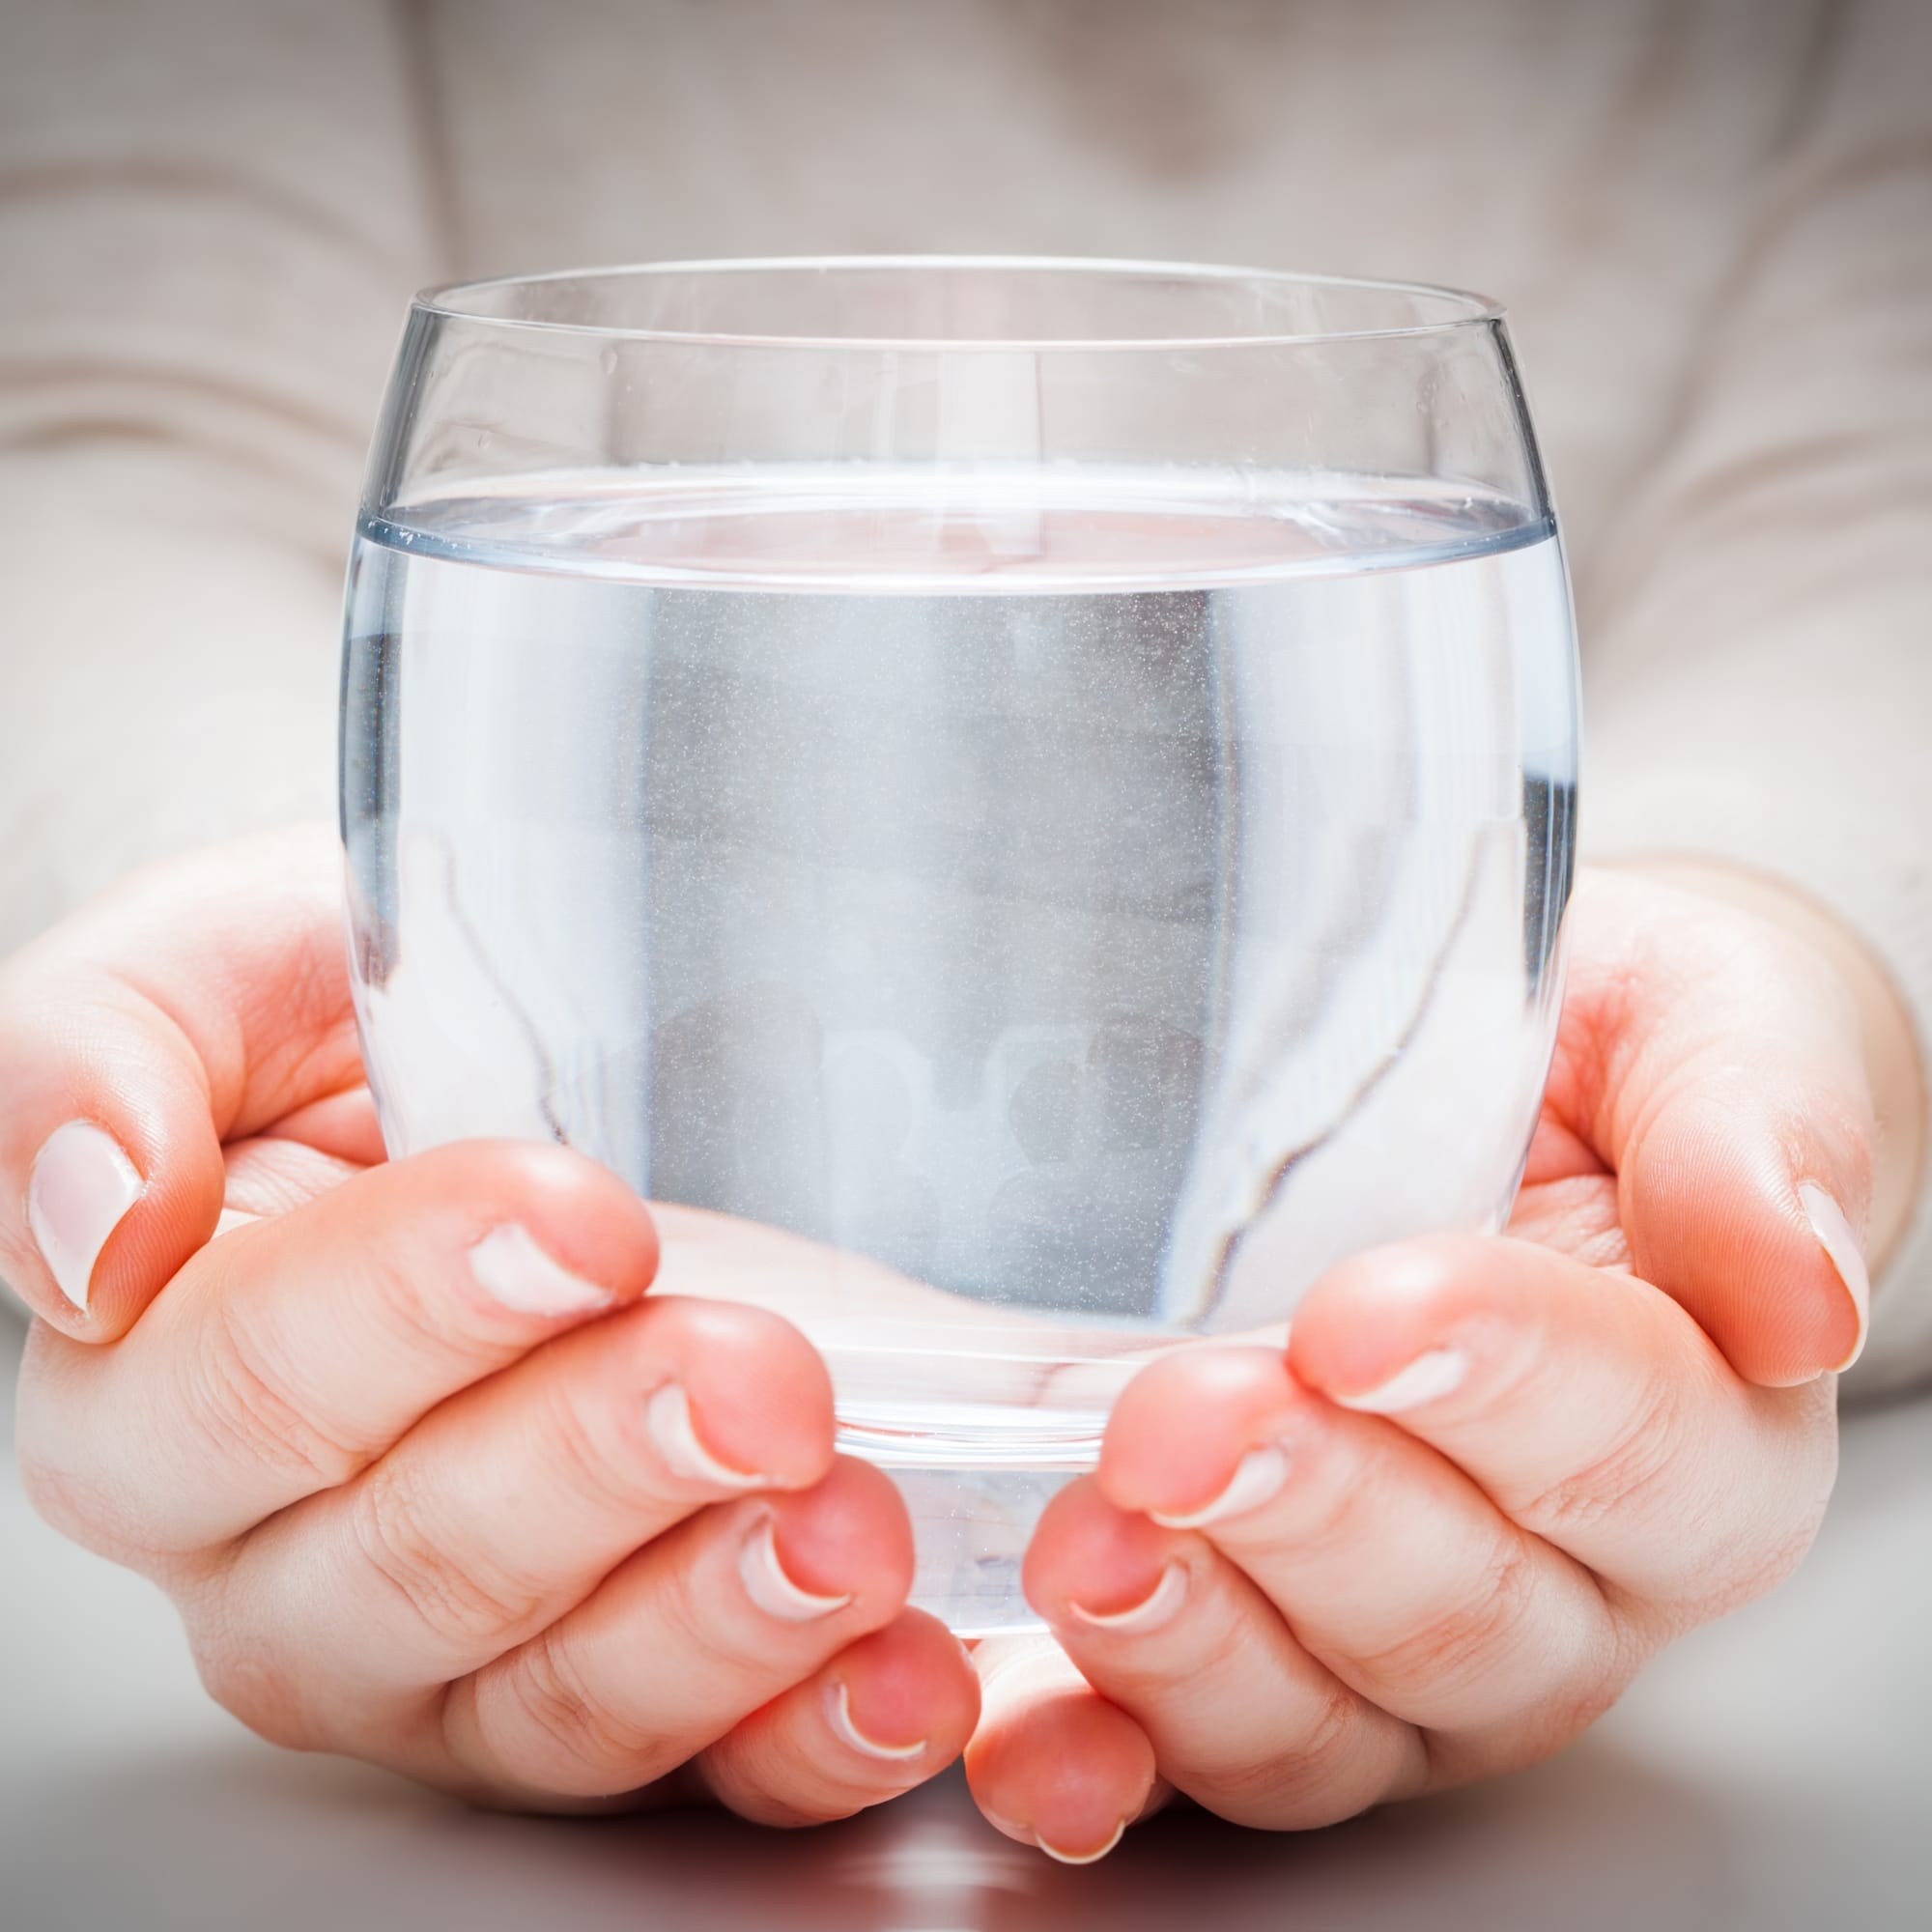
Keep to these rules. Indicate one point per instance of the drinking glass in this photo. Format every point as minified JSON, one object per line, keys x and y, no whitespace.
{"x":1026,"y":804}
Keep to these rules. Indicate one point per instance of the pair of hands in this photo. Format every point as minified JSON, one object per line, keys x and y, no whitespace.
{"x":436,"y":1480}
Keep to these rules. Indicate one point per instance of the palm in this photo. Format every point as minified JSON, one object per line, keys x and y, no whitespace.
{"x":1568,"y":1201}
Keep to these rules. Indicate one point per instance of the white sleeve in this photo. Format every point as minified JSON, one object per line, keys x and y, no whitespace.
{"x":215,"y":214}
{"x":1758,"y":667}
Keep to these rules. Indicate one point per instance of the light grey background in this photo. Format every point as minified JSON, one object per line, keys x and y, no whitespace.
{"x":1769,"y":1772}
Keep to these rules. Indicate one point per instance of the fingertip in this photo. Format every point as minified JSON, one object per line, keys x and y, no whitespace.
{"x":849,"y":1533}
{"x":80,"y":1186}
{"x":1848,"y":1324}
{"x":1061,"y":1769}
{"x":1770,"y":1267}
{"x":888,"y":1711}
{"x":344,"y":1126}
{"x":129,"y":1041}
{"x":539,"y":1231}
{"x":907,"y":1693}
{"x":761,"y":1392}
{"x":1383,"y":1305}
{"x":115,"y":1201}
{"x":589,"y":1221}
{"x":1090,"y":1559}
{"x":1178,"y":1425}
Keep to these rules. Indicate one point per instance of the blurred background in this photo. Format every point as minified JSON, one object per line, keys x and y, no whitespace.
{"x":1708,"y":219}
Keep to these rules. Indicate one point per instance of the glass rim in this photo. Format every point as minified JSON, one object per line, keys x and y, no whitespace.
{"x":455,"y":302}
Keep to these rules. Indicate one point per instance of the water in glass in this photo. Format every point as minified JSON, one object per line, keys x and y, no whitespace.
{"x":1054,"y":912}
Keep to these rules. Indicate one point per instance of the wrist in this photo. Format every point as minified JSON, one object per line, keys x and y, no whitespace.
{"x":1894,"y":1062}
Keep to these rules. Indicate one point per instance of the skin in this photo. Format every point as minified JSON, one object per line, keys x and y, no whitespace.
{"x":406,"y":1523}
{"x":400,"y":1519}
{"x":1643,"y":1438}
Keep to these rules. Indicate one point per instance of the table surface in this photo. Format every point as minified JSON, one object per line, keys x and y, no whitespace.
{"x":1769,"y":1772}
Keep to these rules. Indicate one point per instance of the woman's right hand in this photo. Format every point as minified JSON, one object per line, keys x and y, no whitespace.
{"x":432,"y":1478}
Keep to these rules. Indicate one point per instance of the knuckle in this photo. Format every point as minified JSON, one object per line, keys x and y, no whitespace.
{"x":459,"y":1602}
{"x":1330,"y":1737}
{"x":441,"y":1328}
{"x":766,"y":1774}
{"x":246,"y":1677}
{"x":1757,"y":1567}
{"x":1641,"y":1465}
{"x":1346,"y":1491}
{"x":1462,"y":1641}
{"x":1219,"y":1649}
{"x":1738,"y":1537}
{"x":68,"y":1472}
{"x":244,"y":1406}
{"x":1777,"y":1559}
{"x":1327,"y":1774}
{"x":257,"y":1693}
{"x":780,"y":1812}
{"x":555,"y":1721}
{"x":1569,"y":1717}
{"x":608,"y":1475}
{"x":717,"y":1647}
{"x":87,"y":1510}
{"x":54,"y":1493}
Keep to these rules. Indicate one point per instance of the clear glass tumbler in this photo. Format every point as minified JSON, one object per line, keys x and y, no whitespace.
{"x":1027,"y":803}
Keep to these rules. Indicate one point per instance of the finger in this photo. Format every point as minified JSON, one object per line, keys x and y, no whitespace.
{"x":1242,"y":1716}
{"x":1718,"y":1065}
{"x":1395,"y":1573}
{"x":507,"y":1505}
{"x":341,"y":1126}
{"x":1053,"y":1763}
{"x":886,"y":1714}
{"x":290,"y":1353}
{"x":1592,"y":1408}
{"x":686,"y":1639}
{"x":200,"y":1001}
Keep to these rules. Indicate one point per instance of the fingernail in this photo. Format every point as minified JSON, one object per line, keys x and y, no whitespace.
{"x":839,"y":1714}
{"x":1152,"y":1610}
{"x":512,"y":1270}
{"x":1433,"y":1375}
{"x":771,"y":1589}
{"x":1081,"y":1858}
{"x":668,"y":1418}
{"x":1841,"y":1249}
{"x":1256,"y":1476}
{"x":80,"y":1187}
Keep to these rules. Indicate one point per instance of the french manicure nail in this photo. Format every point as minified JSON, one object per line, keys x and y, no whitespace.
{"x":1082,"y":1857}
{"x":1841,"y":1249}
{"x":1152,"y":1610}
{"x":771,"y":1589}
{"x":80,"y":1187}
{"x":839,"y":1714}
{"x":668,"y":1418}
{"x":512,"y":1270}
{"x":1256,"y":1476}
{"x":1433,"y":1375}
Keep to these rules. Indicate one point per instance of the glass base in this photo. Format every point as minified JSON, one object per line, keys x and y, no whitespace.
{"x":971,"y":1527}
{"x":979,"y":1440}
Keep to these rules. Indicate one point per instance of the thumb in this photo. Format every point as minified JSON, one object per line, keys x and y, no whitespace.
{"x":198,"y":1001}
{"x":1718,"y":1062}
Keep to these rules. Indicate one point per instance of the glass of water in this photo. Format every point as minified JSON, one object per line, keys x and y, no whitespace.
{"x":1027,"y":803}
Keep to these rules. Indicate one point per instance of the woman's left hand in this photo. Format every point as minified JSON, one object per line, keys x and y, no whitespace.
{"x":1490,"y":1477}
